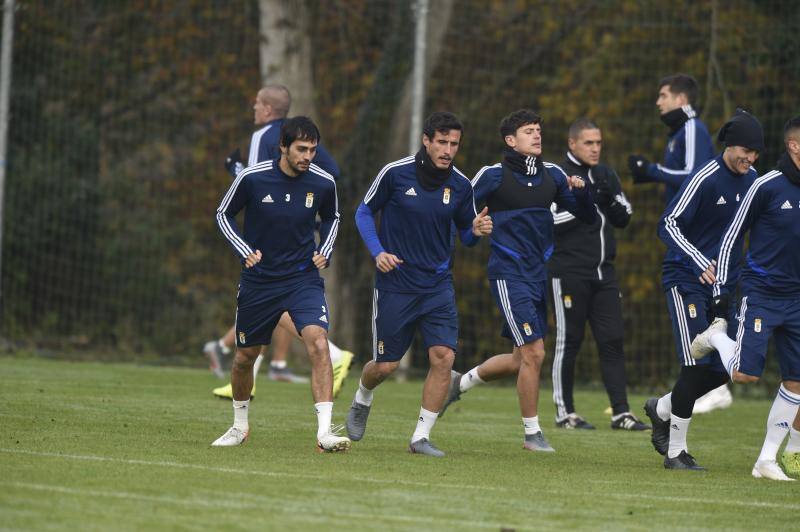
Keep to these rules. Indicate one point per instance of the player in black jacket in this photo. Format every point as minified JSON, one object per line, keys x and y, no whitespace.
{"x":584,"y":283}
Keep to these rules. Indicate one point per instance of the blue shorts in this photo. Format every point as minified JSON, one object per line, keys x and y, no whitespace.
{"x":758,"y":319}
{"x":689,"y":312}
{"x":523,"y":305}
{"x":396,"y":317}
{"x":259,"y":308}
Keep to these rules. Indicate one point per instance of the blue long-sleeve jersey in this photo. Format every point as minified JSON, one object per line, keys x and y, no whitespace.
{"x":771,"y":212}
{"x":688,"y":148}
{"x":522,"y":235}
{"x":265,"y":146}
{"x":280,"y":218}
{"x":415,"y":225}
{"x":693,"y":223}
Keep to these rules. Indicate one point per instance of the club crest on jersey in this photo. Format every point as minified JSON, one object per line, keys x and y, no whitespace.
{"x":527,"y":328}
{"x":692,"y":310}
{"x":380,"y":347}
{"x":757,"y":325}
{"x":446,"y":196}
{"x":241,"y":337}
{"x":309,"y":200}
{"x":567,"y":301}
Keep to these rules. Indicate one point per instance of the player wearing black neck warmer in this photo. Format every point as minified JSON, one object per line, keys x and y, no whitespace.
{"x":419,"y":197}
{"x":518,"y":192}
{"x":689,"y":145}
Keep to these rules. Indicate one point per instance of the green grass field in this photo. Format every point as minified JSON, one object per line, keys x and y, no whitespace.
{"x":91,"y":446}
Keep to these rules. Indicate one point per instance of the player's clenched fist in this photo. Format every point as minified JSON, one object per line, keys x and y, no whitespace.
{"x":575,"y":182}
{"x":482,"y":224}
{"x":252,"y":259}
{"x":319,"y":260}
{"x":387,"y":262}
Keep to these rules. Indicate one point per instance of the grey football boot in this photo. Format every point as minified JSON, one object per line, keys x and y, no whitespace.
{"x":357,"y":420}
{"x":424,"y":446}
{"x":536,"y":442}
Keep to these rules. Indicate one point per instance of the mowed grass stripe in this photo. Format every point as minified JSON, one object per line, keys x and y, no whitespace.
{"x":61,"y":430}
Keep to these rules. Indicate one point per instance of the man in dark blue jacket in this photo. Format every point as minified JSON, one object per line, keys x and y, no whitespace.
{"x":419,"y":199}
{"x":280,"y":271}
{"x":691,"y":227}
{"x":770,"y":306}
{"x":270,"y":109}
{"x":518,"y":193}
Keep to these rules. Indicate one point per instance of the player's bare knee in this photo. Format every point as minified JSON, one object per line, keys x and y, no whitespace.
{"x":743,"y":378}
{"x":441,"y":357}
{"x":792,"y":386}
{"x":384,"y":369}
{"x":245,"y":357}
{"x":531,"y":355}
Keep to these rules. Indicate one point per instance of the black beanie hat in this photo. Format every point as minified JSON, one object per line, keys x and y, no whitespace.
{"x":743,"y":129}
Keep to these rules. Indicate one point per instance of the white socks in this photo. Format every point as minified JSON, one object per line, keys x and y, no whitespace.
{"x":678,"y":427}
{"x":363,"y":395}
{"x":727,"y":351}
{"x":531,"y":425}
{"x":424,"y":425}
{"x":225,"y":349}
{"x":781,"y":417}
{"x":664,"y":407}
{"x":324,"y":413}
{"x":793,"y":445}
{"x":240,"y":411}
{"x":256,"y":367}
{"x":336,"y":353}
{"x":470,"y":379}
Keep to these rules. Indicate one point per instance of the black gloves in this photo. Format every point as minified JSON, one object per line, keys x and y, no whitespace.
{"x":602,"y":193}
{"x":719,"y":307}
{"x":638,"y":166}
{"x":233,"y":163}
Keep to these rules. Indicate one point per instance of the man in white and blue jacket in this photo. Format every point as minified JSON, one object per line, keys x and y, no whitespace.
{"x":691,"y":227}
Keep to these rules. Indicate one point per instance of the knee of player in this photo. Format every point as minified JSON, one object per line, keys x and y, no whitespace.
{"x":246,"y":356}
{"x":319,"y":345}
{"x":441,"y":355}
{"x":384,"y":369}
{"x":743,"y":378}
{"x":532,"y":354}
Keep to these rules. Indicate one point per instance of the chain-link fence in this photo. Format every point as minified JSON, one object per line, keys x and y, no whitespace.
{"x":121,"y":114}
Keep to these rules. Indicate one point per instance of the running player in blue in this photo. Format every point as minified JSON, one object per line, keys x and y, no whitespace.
{"x":519,"y":192}
{"x":281,"y":268}
{"x":270,"y":109}
{"x":770,"y":306}
{"x":691,"y":228}
{"x":419,"y":198}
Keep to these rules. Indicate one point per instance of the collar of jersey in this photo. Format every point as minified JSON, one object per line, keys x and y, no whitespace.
{"x":789,"y":169}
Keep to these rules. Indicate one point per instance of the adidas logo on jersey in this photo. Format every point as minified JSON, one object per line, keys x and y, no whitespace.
{"x":323,"y":319}
{"x":782,"y":425}
{"x":721,"y":201}
{"x":411,"y":192}
{"x":786,"y":205}
{"x":267,"y":199}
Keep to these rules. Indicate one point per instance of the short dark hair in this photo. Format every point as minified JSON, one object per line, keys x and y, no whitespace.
{"x":579,"y":125}
{"x":681,"y":84}
{"x":791,"y":127}
{"x":510,"y":124}
{"x":299,"y":128}
{"x":440,"y":121}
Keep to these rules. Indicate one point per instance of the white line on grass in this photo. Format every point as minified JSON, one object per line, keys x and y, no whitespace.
{"x":246,"y":471}
{"x":690,"y":500}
